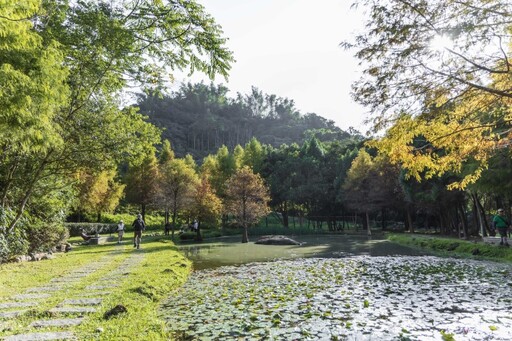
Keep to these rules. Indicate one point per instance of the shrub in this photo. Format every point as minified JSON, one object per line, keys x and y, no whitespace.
{"x":188,"y":236}
{"x":12,"y":244}
{"x":44,"y":237}
{"x":211,"y":233}
{"x":151,"y":220}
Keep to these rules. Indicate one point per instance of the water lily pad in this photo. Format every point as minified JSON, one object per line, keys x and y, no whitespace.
{"x":378,"y":298}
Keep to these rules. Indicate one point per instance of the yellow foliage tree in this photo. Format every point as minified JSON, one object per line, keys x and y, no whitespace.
{"x":99,"y":193}
{"x":207,"y":206}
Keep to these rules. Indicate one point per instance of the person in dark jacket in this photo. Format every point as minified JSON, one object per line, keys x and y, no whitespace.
{"x":138,"y":226}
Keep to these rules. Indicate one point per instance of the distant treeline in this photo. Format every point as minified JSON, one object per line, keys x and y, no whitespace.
{"x":200,"y":118}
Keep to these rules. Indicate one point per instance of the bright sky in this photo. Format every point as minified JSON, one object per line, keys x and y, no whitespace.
{"x":290,"y":48}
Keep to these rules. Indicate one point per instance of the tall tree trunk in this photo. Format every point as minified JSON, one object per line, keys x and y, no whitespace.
{"x":285,"y":214}
{"x":245,"y":235}
{"x":368,"y":228}
{"x":464,"y":221}
{"x":484,"y":227}
{"x":28,"y":192}
{"x":383,"y":219}
{"x":7,"y":183}
{"x":409,"y":219}
{"x":143,"y":211}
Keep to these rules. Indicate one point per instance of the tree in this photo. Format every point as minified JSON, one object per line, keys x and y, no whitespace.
{"x":238,"y":156}
{"x":246,"y":198}
{"x":356,"y":185}
{"x":219,"y":168}
{"x":456,"y":94}
{"x":98,"y":193}
{"x":371,"y":184}
{"x":32,"y":83}
{"x":409,"y":48}
{"x":308,"y":186}
{"x":64,"y":65}
{"x":253,"y":155}
{"x":278,"y":169}
{"x":177,"y":183}
{"x":166,"y":154}
{"x":142,"y":182}
{"x":111,"y":197}
{"x":207,"y":206}
{"x":200,"y":118}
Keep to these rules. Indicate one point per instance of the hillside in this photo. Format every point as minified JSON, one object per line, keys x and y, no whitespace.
{"x":199,"y":118}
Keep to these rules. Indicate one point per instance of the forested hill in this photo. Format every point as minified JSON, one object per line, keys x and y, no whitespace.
{"x":200,"y":118}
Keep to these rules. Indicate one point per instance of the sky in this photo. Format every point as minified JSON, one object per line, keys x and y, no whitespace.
{"x":290,"y":48}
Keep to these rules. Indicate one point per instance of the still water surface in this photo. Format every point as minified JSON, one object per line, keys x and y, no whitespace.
{"x":230,"y":251}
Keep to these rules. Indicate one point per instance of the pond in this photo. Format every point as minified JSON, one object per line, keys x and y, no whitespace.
{"x":339,"y":288}
{"x":230,"y":251}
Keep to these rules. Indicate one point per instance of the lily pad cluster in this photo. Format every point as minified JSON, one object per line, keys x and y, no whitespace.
{"x":377,"y":298}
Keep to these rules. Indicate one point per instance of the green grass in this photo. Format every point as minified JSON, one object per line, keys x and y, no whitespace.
{"x":445,"y":246}
{"x":162,"y":270}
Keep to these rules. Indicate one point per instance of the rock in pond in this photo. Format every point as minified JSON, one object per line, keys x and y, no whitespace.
{"x":276,"y":240}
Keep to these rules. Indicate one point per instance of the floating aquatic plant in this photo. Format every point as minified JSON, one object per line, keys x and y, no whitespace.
{"x":404,"y":298}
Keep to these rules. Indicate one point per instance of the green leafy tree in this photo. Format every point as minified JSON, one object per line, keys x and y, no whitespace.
{"x":63,"y":67}
{"x":308,"y":185}
{"x":246,"y":199}
{"x":200,"y":118}
{"x":189,"y":160}
{"x":279,"y":168}
{"x":238,"y":155}
{"x":254,"y":155}
{"x":219,"y":168}
{"x":441,"y":70}
{"x":166,"y":154}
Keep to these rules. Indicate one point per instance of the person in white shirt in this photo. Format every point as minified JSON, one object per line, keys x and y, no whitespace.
{"x":120,"y":231}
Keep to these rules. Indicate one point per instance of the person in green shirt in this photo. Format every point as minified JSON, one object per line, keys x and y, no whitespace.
{"x":500,"y":222}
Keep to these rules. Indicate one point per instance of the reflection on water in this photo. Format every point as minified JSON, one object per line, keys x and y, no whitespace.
{"x":230,"y":251}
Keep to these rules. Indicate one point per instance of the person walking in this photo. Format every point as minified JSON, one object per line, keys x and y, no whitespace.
{"x":501,"y":223}
{"x":138,"y":226}
{"x":120,"y":231}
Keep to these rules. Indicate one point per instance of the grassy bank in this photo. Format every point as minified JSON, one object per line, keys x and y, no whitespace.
{"x":444,"y":246}
{"x":141,"y":289}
